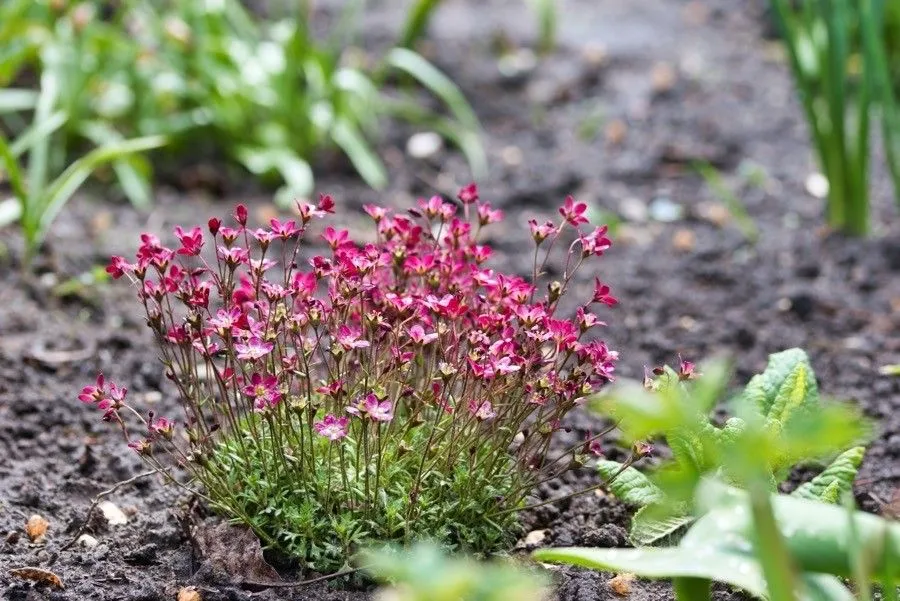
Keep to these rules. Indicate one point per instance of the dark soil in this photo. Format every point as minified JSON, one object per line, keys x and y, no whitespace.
{"x":694,"y":285}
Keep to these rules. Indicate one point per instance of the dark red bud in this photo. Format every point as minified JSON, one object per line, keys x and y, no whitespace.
{"x":214,"y":225}
{"x":240,"y":214}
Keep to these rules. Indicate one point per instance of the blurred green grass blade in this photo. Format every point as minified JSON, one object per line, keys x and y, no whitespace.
{"x":13,"y":171}
{"x":353,"y":143}
{"x":62,"y":188}
{"x":435,"y":81}
{"x":546,"y":16}
{"x":40,"y":150}
{"x":294,"y":171}
{"x":416,"y":23}
{"x":37,"y":131}
{"x":17,"y":99}
{"x":135,"y":185}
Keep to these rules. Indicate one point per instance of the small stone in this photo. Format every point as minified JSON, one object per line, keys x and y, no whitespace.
{"x":688,"y":323}
{"x":36,"y":528}
{"x":817,"y":185}
{"x":662,"y":78}
{"x":696,"y":13}
{"x":715,"y":213}
{"x":633,"y":209}
{"x":512,"y":156}
{"x":518,"y":64}
{"x":663,"y":209}
{"x":424,"y":145}
{"x":114,"y":516}
{"x":87,"y":541}
{"x":615,"y":132}
{"x":783,"y":304}
{"x":594,"y":55}
{"x":189,"y":593}
{"x":684,"y":240}
{"x":535,"y":537}
{"x":152,"y":397}
{"x":620,"y":584}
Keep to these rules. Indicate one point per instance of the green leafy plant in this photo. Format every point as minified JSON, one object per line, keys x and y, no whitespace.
{"x":397,"y":389}
{"x":266,"y":94}
{"x":425,"y":573}
{"x":821,"y":37}
{"x":820,"y":540}
{"x":421,"y":12}
{"x":37,"y":199}
{"x":784,"y":392}
{"x":777,"y":547}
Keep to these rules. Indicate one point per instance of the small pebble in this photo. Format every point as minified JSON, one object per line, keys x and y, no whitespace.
{"x":714,"y":212}
{"x":594,"y":54}
{"x":662,"y":78}
{"x":518,"y":64}
{"x":114,"y":516}
{"x":663,"y":209}
{"x":620,"y":584}
{"x":615,"y":132}
{"x":36,"y":528}
{"x":633,"y":209}
{"x":424,"y":145}
{"x":535,"y":537}
{"x":512,"y":156}
{"x":189,"y":593}
{"x":684,"y":240}
{"x":817,"y":185}
{"x":87,"y":541}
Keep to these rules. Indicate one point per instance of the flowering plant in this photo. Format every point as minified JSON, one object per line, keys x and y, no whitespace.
{"x":393,"y":390}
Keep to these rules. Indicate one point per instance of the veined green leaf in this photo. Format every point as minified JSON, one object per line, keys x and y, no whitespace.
{"x":647,"y":528}
{"x":628,"y":484}
{"x":797,"y":392}
{"x":835,"y":480}
{"x":763,"y":388}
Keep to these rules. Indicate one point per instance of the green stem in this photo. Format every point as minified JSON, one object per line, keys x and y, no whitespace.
{"x":692,"y":589}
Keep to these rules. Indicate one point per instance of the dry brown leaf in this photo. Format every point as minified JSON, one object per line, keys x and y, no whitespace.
{"x":39,"y":575}
{"x":36,"y":527}
{"x":891,"y":509}
{"x":620,"y":584}
{"x":189,"y":593}
{"x":234,"y":552}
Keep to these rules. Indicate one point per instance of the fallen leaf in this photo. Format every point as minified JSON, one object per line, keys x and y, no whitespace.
{"x":39,"y":575}
{"x":235,"y":553}
{"x":620,"y":584}
{"x":36,"y":527}
{"x":189,"y":593}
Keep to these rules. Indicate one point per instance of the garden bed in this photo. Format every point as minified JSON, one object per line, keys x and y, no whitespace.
{"x":637,"y":94}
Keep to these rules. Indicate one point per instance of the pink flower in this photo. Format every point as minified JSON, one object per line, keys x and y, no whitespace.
{"x":326,"y":203}
{"x":686,"y":370}
{"x":141,"y":447}
{"x":541,"y":232}
{"x":602,"y":295}
{"x":263,"y":390}
{"x":336,"y":238}
{"x":487,"y":215}
{"x":468,"y":194}
{"x":253,"y":349}
{"x":419,"y":337}
{"x":214,"y":224}
{"x":118,"y":267}
{"x":375,"y":212}
{"x":240,"y":214}
{"x":163,"y":427}
{"x":285,"y":230}
{"x":94,"y":394}
{"x":595,"y":243}
{"x":382,"y":411}
{"x":349,"y":338}
{"x":331,"y":427}
{"x":482,"y":411}
{"x":191,"y":242}
{"x":573,"y":212}
{"x":225,"y":320}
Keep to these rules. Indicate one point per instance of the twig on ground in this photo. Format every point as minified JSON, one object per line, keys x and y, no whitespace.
{"x":96,"y":501}
{"x":301,"y":582}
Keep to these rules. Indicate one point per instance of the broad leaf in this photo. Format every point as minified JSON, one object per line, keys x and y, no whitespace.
{"x":837,"y":479}
{"x":628,"y":484}
{"x":648,"y":528}
{"x":763,"y":388}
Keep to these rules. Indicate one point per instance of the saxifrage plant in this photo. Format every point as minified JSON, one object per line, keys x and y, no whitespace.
{"x":394,"y":389}
{"x":785,"y":391}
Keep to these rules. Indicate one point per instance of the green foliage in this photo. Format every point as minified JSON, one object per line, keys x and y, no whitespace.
{"x":207,"y":75}
{"x":421,"y":12}
{"x":823,"y":39}
{"x":423,"y":573}
{"x":778,"y":401}
{"x":816,"y":536}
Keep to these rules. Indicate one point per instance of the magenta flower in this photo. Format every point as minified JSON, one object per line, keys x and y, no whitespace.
{"x":163,"y":427}
{"x":487,"y":215}
{"x":349,"y":338}
{"x":336,"y":238}
{"x":573,"y":212}
{"x":331,"y":427}
{"x":541,"y":232}
{"x":595,"y":243}
{"x":240,"y":214}
{"x":253,"y":349}
{"x":602,"y":295}
{"x":379,"y":411}
{"x":482,"y":410}
{"x":191,"y":242}
{"x":225,"y":320}
{"x":285,"y":230}
{"x":263,"y":390}
{"x":419,"y":337}
{"x":468,"y":194}
{"x":94,"y":394}
{"x":118,"y":267}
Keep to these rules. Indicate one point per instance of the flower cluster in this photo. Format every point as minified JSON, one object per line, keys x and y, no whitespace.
{"x":381,"y":379}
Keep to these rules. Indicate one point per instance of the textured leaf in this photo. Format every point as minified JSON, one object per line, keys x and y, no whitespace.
{"x":630,"y":486}
{"x":797,"y":392}
{"x":647,"y":529}
{"x":763,"y":388}
{"x":831,"y":484}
